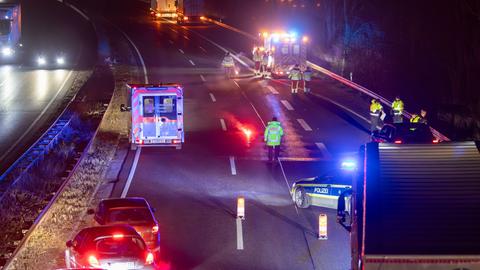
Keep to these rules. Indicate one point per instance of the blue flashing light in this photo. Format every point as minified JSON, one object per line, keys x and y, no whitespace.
{"x":293,"y":34}
{"x":349,"y":165}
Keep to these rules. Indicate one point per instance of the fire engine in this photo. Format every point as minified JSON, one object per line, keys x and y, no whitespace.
{"x":157,"y":115}
{"x":284,"y":51}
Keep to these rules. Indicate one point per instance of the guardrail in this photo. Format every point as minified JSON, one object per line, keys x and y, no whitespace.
{"x":37,"y":151}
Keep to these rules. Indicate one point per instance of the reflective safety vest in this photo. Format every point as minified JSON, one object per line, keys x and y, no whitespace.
{"x":418,"y":119}
{"x":228,"y":61}
{"x":375,"y":109}
{"x":307,"y":75}
{"x":294,"y":74}
{"x":397,"y":106}
{"x":257,"y":56}
{"x":273,"y":133}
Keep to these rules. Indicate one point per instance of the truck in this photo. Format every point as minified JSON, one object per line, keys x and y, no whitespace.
{"x":284,"y":51}
{"x":157,"y":115}
{"x":10,"y":29}
{"x":163,"y":8}
{"x":191,"y":12}
{"x":414,"y":206}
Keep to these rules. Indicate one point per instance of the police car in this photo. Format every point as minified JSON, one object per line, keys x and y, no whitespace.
{"x":322,"y":190}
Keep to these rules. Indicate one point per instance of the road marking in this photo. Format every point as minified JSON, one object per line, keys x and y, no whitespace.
{"x":323,"y":150}
{"x":272,"y":90}
{"x":171,"y":41}
{"x":287,"y":105}
{"x":201,"y":48}
{"x":191,"y":62}
{"x":132,"y":172}
{"x":239,"y":234}
{"x":222,"y":123}
{"x":186,"y":37}
{"x":138,"y":54}
{"x":304,"y":125}
{"x":237,"y":84}
{"x":54,"y":98}
{"x":203,"y":78}
{"x":180,"y":50}
{"x":213,"y":97}
{"x":233,"y":169}
{"x":78,"y":11}
{"x":174,"y":30}
{"x":259,"y":117}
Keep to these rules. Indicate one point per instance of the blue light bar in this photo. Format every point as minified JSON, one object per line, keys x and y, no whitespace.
{"x":349,"y":165}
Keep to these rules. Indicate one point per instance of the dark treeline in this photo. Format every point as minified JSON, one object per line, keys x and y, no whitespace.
{"x":428,"y":52}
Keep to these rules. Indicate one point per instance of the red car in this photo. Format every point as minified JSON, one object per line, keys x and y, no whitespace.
{"x":109,"y":247}
{"x":135,"y":212}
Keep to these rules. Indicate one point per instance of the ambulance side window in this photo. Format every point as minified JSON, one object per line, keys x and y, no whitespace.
{"x":148,"y":106}
{"x":296,"y":49}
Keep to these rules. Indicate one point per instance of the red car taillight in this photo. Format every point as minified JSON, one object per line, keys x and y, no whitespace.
{"x":155,"y":229}
{"x":398,"y":141}
{"x":92,"y":260}
{"x":435,"y":141}
{"x":149,"y":259}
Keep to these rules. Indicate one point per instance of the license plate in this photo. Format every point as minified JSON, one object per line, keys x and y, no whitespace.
{"x":158,"y":141}
{"x":122,"y":266}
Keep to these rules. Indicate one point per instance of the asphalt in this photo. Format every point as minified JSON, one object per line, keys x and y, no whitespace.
{"x":31,"y":97}
{"x":195,"y":190}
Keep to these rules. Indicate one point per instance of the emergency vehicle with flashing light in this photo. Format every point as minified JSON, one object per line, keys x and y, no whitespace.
{"x":284,"y":51}
{"x":157,"y":115}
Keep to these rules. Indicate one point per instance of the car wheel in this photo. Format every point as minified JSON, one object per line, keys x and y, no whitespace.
{"x":301,"y":198}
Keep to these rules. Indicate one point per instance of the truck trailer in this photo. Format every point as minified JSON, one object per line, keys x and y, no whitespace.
{"x":415,"y":207}
{"x":191,"y":12}
{"x":163,"y":8}
{"x":157,"y":115}
{"x":10,"y":29}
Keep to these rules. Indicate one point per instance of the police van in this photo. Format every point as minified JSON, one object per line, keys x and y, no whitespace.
{"x":157,"y":115}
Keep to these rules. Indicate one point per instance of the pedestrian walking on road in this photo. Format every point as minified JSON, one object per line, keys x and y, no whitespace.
{"x":295,"y":76}
{"x":397,"y":110}
{"x":273,"y":137}
{"x":376,"y":110}
{"x":307,"y":78}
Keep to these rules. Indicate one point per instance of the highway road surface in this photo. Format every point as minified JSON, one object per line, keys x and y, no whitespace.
{"x":194,"y":190}
{"x":31,"y":96}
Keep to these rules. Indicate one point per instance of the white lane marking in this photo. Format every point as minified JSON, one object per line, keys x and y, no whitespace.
{"x":233,"y":168}
{"x":222,"y":123}
{"x":180,"y":50}
{"x":174,"y":30}
{"x":239,"y":234}
{"x":78,"y":11}
{"x":54,"y":98}
{"x":186,"y":37}
{"x":272,"y":90}
{"x":237,"y":84}
{"x":191,"y":62}
{"x":304,"y":125}
{"x":323,"y":150}
{"x":132,"y":172}
{"x":213,"y":97}
{"x":259,"y":117}
{"x":201,"y":48}
{"x":171,"y":41}
{"x":138,"y":54}
{"x":203,"y":78}
{"x":287,"y":105}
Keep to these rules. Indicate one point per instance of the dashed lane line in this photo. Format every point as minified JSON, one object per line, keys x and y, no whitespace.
{"x":187,"y":38}
{"x":202,"y":78}
{"x":212,"y":97}
{"x":239,"y":234}
{"x":203,"y":49}
{"x":180,"y":50}
{"x":233,"y":168}
{"x":272,"y":90}
{"x":222,"y":123}
{"x":191,"y":62}
{"x":287,"y":105}
{"x":237,"y":84}
{"x":323,"y":150}
{"x":304,"y":124}
{"x":171,"y":41}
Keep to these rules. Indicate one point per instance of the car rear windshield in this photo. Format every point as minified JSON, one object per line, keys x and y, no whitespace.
{"x":130,"y":215}
{"x":113,"y":247}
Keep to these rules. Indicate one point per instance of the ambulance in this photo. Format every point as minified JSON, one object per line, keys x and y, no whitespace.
{"x":284,"y":50}
{"x":157,"y":115}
